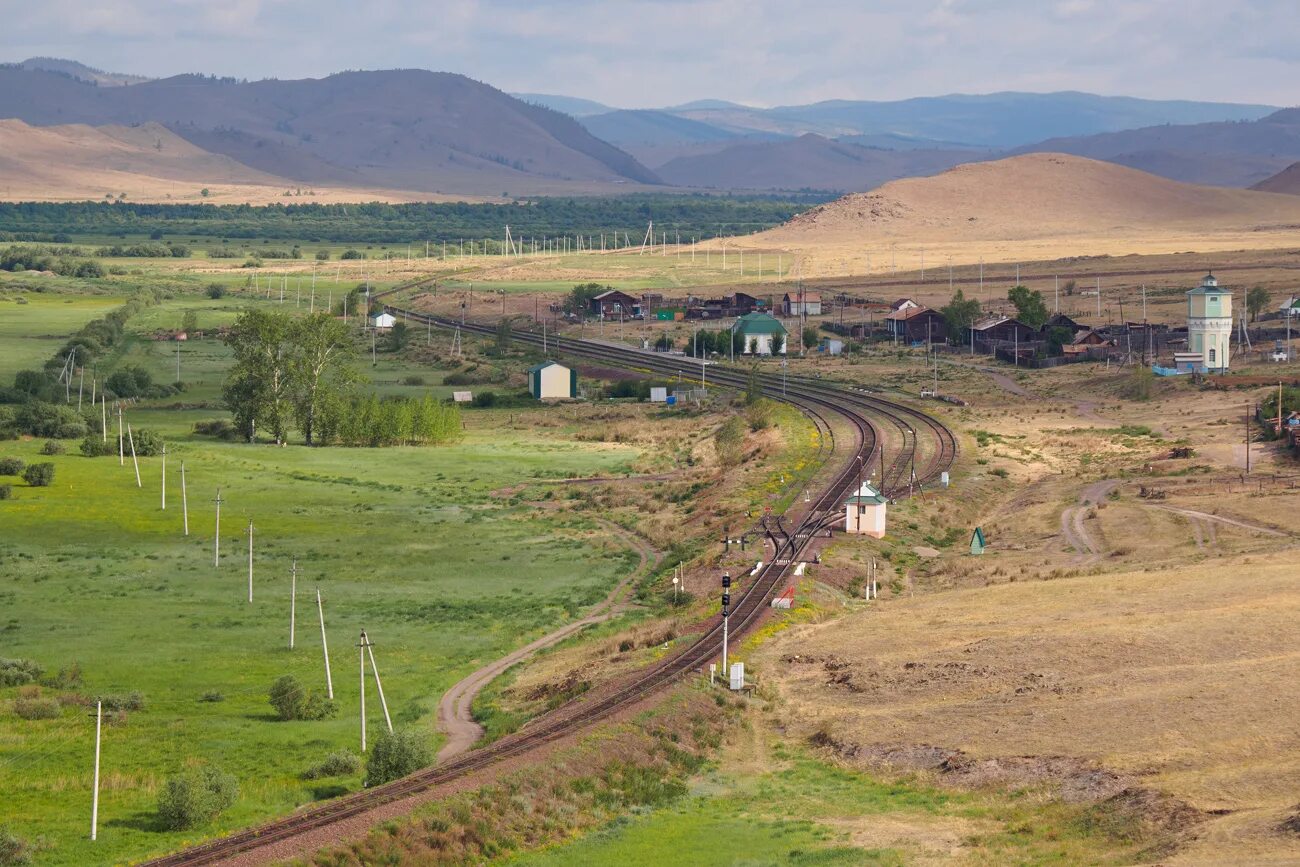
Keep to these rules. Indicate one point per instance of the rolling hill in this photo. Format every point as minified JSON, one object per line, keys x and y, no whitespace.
{"x":807,"y":162}
{"x":82,"y":72}
{"x":1035,"y":206}
{"x":396,"y":129}
{"x":1285,"y":181}
{"x":146,"y":163}
{"x":1238,"y":154}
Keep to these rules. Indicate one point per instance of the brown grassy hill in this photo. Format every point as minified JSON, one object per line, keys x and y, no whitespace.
{"x":1285,"y":181}
{"x":807,"y":162}
{"x":398,"y":129}
{"x":148,"y":163}
{"x":1231,"y":153}
{"x":1033,"y":206}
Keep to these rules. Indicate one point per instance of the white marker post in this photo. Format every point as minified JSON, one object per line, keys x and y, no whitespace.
{"x":164,"y":477}
{"x":216,"y":537}
{"x":362,"y":645}
{"x":121,"y":448}
{"x":94,"y":798}
{"x":103,"y":421}
{"x":325,"y":648}
{"x":134,"y":461}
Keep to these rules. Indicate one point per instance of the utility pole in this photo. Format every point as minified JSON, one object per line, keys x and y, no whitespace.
{"x":185,"y":503}
{"x":121,"y":446}
{"x":324,"y":645}
{"x":134,"y":461}
{"x":178,"y":361}
{"x":94,"y":798}
{"x":1247,"y":438}
{"x":362,"y":645}
{"x":103,"y":418}
{"x":726,"y":616}
{"x":379,"y":686}
{"x":293,"y":599}
{"x":216,"y":537}
{"x":164,"y":477}
{"x":250,"y":560}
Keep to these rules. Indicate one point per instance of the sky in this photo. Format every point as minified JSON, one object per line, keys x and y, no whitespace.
{"x":638,"y":54}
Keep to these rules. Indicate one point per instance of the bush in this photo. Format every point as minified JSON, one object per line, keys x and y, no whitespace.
{"x":133,"y":700}
{"x":212,"y":696}
{"x":484,"y":399}
{"x":217,"y":427}
{"x":14,"y":850}
{"x":195,"y":797}
{"x":6,"y":492}
{"x":36,"y":418}
{"x":16,"y":672}
{"x":292,"y":701}
{"x":215,"y":291}
{"x":96,"y":447}
{"x":37,"y":708}
{"x":147,"y":443}
{"x":322,"y":255}
{"x":39,"y":475}
{"x":53,"y":447}
{"x":11,"y":466}
{"x":130,"y":382}
{"x":413,"y":379}
{"x":396,"y":754}
{"x":338,"y":764}
{"x":352,"y":254}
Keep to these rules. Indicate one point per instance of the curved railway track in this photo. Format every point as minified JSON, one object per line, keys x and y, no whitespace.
{"x":751,"y":599}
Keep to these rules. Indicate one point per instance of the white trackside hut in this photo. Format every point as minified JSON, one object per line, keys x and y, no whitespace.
{"x":864,"y":512}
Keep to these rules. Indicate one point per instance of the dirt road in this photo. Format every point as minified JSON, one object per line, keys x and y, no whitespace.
{"x":1073,"y":530}
{"x":455,"y":710}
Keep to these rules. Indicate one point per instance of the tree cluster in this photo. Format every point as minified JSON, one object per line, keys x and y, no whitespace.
{"x":396,"y":421}
{"x":1031,"y":309}
{"x":960,"y":313}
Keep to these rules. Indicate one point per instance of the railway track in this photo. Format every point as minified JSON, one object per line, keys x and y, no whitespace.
{"x":819,"y":401}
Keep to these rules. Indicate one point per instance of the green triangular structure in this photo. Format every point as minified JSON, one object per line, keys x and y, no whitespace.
{"x":977,"y":541}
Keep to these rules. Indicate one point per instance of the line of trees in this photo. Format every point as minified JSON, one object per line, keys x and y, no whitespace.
{"x":299,"y":372}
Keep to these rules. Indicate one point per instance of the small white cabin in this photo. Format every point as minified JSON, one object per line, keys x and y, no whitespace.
{"x":864,"y":512}
{"x":551,"y":380}
{"x":383,"y":321}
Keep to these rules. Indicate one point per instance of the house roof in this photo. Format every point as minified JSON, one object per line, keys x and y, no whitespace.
{"x":758,"y":323}
{"x":900,"y":302}
{"x":544,"y":365}
{"x":611,"y":293}
{"x":909,"y":313}
{"x":873,"y":500}
{"x":994,"y":321}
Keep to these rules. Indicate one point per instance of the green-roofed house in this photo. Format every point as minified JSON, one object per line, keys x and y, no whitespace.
{"x":864,"y":512}
{"x":977,"y":541}
{"x":762,"y":334}
{"x":551,"y":380}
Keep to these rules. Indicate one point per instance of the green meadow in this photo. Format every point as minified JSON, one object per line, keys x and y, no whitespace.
{"x":409,"y":544}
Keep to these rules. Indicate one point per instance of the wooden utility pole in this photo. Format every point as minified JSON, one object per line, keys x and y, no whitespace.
{"x":94,"y":798}
{"x":1248,"y":439}
{"x":134,"y":461}
{"x":164,"y":477}
{"x":216,"y":537}
{"x":185,"y":502}
{"x":121,"y":446}
{"x":250,"y":560}
{"x":324,"y":645}
{"x":362,"y":645}
{"x":379,"y":686}
{"x":293,"y":599}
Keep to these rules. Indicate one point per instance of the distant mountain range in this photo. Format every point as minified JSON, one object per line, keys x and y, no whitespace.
{"x":442,"y":133}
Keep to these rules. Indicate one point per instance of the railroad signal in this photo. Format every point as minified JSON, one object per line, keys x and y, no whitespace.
{"x":726,"y":615}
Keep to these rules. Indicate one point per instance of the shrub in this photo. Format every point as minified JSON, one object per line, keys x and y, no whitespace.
{"x":337,"y":764}
{"x":95,"y":447}
{"x":352,"y":254}
{"x":322,"y":255}
{"x":215,"y":291}
{"x":195,"y":797}
{"x":130,"y":382}
{"x":14,"y":850}
{"x":292,"y":701}
{"x":6,"y":492}
{"x":16,"y":672}
{"x":397,"y":754}
{"x":133,"y":700}
{"x":212,"y":695}
{"x":147,"y":443}
{"x":413,"y":379}
{"x":39,"y":475}
{"x":11,"y":466}
{"x":37,"y":708}
{"x":53,"y":447}
{"x":484,"y":399}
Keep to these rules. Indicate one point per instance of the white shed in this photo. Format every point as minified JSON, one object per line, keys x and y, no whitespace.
{"x":383,"y":321}
{"x":551,"y":380}
{"x":864,"y":512}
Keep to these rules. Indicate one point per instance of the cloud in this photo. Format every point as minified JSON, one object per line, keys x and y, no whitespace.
{"x":642,"y":53}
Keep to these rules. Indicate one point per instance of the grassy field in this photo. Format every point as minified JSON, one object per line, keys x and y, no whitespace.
{"x":407,"y":543}
{"x":31,"y":332}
